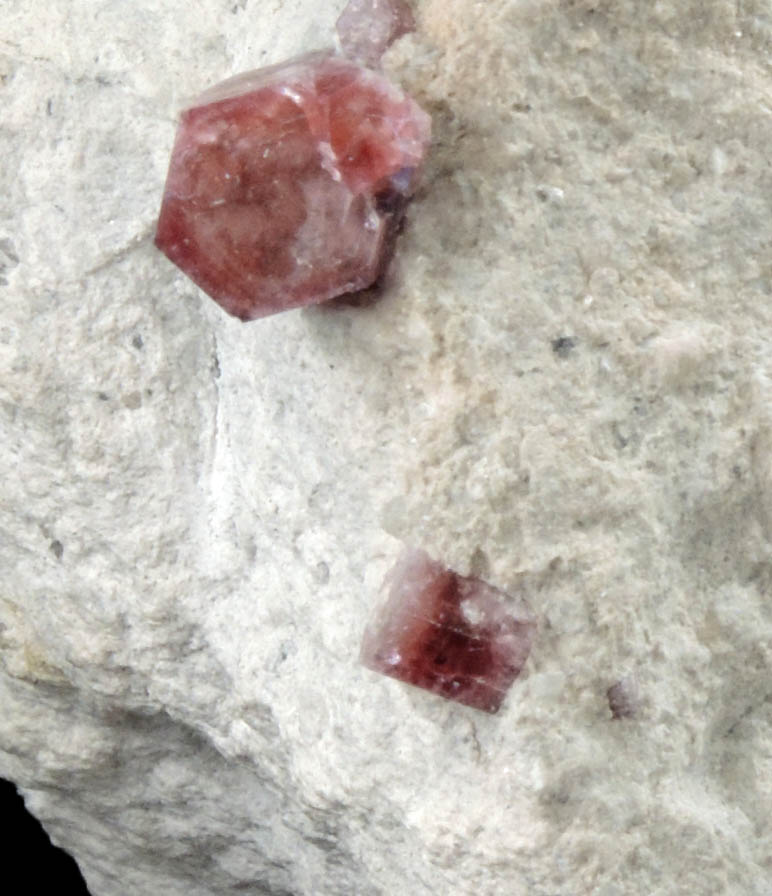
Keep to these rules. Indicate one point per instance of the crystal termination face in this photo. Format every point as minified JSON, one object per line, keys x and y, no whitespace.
{"x":287,"y":185}
{"x":453,"y":636}
{"x":367,"y":28}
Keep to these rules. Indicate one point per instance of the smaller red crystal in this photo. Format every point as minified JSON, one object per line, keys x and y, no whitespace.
{"x":367,"y":28}
{"x":454,"y":636}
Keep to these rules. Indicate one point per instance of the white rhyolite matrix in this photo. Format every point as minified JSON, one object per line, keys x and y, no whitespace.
{"x":566,"y":389}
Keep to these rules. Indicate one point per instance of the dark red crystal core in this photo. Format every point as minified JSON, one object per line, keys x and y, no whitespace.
{"x":452,"y":635}
{"x":367,"y":28}
{"x":275,"y":193}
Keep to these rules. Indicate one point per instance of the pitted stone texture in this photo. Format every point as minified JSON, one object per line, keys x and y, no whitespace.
{"x":287,"y":184}
{"x":449,"y":634}
{"x":367,"y":28}
{"x":196,"y":515}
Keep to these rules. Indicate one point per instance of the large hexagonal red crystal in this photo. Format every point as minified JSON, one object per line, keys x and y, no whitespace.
{"x":286,"y":185}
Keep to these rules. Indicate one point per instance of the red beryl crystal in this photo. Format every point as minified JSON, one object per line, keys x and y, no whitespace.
{"x":286,"y":185}
{"x":367,"y":28}
{"x":454,"y":636}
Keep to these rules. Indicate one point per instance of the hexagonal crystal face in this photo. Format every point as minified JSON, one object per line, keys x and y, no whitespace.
{"x":286,"y":185}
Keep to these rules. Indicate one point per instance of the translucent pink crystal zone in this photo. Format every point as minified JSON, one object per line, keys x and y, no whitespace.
{"x":367,"y":28}
{"x":286,"y":185}
{"x":451,"y":635}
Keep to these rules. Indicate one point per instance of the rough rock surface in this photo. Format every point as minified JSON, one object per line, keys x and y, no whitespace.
{"x":566,"y":388}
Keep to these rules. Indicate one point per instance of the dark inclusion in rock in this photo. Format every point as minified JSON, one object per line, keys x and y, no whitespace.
{"x":287,"y":185}
{"x":562,"y":346}
{"x":454,"y":636}
{"x":623,"y":698}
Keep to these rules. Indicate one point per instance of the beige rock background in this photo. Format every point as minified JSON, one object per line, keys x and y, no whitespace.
{"x":566,"y":388}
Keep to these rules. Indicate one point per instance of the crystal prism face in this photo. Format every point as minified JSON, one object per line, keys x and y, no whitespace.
{"x":286,"y":185}
{"x":454,"y":636}
{"x":367,"y":28}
